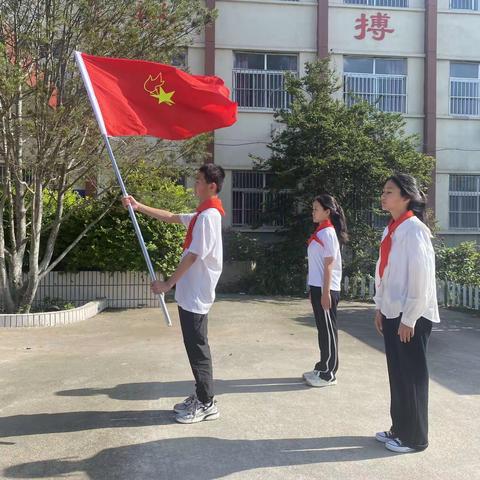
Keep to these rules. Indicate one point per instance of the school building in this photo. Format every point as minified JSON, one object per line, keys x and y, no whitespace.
{"x":417,"y":57}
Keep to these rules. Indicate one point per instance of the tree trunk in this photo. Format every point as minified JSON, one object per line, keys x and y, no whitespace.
{"x":33,"y":269}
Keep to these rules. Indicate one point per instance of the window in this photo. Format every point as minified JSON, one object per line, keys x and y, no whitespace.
{"x":465,"y":4}
{"x":259,"y":79}
{"x":380,"y":81}
{"x":180,"y":59}
{"x":251,"y":197}
{"x":378,"y":3}
{"x":81,"y":192}
{"x":464,"y":202}
{"x":464,"y":89}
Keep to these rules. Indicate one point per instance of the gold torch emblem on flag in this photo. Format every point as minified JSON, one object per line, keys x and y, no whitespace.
{"x":154,"y":86}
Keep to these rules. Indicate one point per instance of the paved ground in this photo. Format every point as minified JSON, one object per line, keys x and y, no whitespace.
{"x":93,"y":400}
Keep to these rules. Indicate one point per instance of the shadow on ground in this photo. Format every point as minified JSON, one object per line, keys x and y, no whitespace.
{"x":454,"y":359}
{"x":44,"y":423}
{"x":157,"y":390}
{"x":202,"y":458}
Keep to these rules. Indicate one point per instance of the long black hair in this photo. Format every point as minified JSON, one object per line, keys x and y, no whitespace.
{"x":409,"y":189}
{"x":337,"y":216}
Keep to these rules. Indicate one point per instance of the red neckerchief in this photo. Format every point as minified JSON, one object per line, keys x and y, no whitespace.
{"x":313,"y":237}
{"x":212,"y":202}
{"x":386,"y":244}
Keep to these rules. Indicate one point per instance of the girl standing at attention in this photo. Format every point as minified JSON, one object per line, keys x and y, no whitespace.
{"x":406,"y":306}
{"x":324,"y":277}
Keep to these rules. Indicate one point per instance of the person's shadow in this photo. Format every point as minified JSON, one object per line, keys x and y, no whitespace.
{"x":203,"y":458}
{"x":41,"y":423}
{"x":157,"y":390}
{"x":45,"y":423}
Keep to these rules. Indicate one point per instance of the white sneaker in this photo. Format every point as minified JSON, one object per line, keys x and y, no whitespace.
{"x":384,"y":437}
{"x":316,"y":381}
{"x":309,"y":374}
{"x":182,"y":407}
{"x":397,"y":446}
{"x":198,"y":412}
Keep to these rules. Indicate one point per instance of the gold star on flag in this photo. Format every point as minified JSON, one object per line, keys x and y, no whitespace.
{"x":163,"y":97}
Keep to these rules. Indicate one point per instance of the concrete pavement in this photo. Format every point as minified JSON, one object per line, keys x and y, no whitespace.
{"x":93,"y":400}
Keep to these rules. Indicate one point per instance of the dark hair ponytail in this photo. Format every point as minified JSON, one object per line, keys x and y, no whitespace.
{"x":409,"y":189}
{"x":337,"y":216}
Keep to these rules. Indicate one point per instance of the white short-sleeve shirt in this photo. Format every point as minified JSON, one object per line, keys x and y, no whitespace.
{"x":317,"y":252}
{"x":195,"y":291}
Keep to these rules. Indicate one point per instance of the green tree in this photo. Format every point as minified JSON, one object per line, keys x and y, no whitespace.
{"x":113,"y":245}
{"x":347,"y":151}
{"x":49,"y":140}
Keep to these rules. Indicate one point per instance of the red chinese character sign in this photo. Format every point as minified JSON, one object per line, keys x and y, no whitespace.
{"x":376,"y":25}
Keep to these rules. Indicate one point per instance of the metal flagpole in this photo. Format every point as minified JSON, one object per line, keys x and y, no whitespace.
{"x":153,"y":276}
{"x":101,"y":124}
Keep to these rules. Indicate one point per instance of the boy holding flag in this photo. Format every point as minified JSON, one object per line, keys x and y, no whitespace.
{"x":196,"y":278}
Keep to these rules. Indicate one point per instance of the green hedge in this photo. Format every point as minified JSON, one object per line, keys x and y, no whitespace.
{"x":459,"y":264}
{"x":112,"y":244}
{"x":280,"y":267}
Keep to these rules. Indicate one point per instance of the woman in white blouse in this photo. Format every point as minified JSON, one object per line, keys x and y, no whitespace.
{"x":406,"y":306}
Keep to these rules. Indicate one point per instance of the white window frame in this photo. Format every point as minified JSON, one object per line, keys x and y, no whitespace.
{"x":464,"y":194}
{"x":470,"y":5}
{"x":467,"y":83}
{"x":379,"y":3}
{"x":245,"y":190}
{"x":374,"y":96}
{"x":263,"y":190}
{"x":271,"y":99}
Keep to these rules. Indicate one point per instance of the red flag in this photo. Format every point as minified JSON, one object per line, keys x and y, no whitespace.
{"x":135,"y":97}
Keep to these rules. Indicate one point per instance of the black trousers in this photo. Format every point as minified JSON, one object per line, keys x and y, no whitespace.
{"x":327,"y":333}
{"x":408,"y":375}
{"x":195,"y":338}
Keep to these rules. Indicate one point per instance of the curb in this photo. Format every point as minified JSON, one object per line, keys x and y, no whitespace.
{"x":53,"y":319}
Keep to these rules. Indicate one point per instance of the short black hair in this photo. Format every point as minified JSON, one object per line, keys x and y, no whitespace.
{"x":213,"y":174}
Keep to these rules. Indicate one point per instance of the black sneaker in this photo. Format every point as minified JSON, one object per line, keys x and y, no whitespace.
{"x":397,"y":446}
{"x":384,"y":437}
